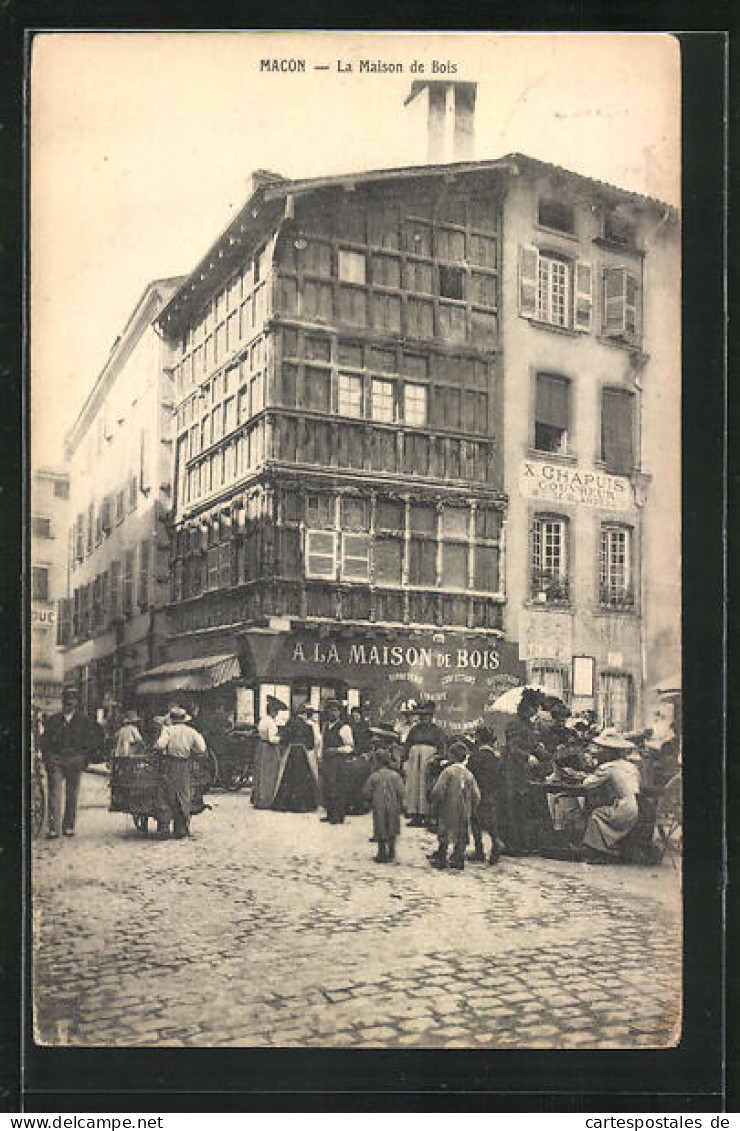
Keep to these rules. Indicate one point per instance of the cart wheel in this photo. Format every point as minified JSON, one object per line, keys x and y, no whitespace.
{"x":38,"y":805}
{"x":141,"y":823}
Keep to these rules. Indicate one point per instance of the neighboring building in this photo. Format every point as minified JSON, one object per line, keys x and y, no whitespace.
{"x":49,"y":504}
{"x":120,"y":454}
{"x":369,"y":370}
{"x":591,"y":360}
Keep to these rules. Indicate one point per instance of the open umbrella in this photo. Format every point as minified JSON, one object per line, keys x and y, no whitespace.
{"x":508,"y":703}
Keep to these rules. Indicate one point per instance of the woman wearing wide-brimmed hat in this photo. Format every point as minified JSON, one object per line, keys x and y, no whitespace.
{"x":609,"y":824}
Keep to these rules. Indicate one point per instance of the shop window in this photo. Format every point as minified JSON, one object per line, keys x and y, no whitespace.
{"x":350,"y":395}
{"x":415,"y":405}
{"x":621,"y":304}
{"x":556,"y":214}
{"x":554,"y":290}
{"x":451,"y":282}
{"x":40,"y":583}
{"x":550,"y":584}
{"x":422,"y":562}
{"x":552,"y":413}
{"x":382,"y":401}
{"x":388,"y":561}
{"x":549,"y":678}
{"x":616,"y":706}
{"x":321,"y":554}
{"x":351,"y":266}
{"x":617,"y":430}
{"x":279,"y":691}
{"x":454,"y":566}
{"x":615,"y":568}
{"x":355,"y":557}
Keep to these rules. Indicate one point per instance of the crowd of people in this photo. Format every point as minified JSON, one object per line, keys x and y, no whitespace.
{"x":555,"y":784}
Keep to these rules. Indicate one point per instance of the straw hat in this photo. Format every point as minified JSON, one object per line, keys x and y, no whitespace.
{"x":611,"y":739}
{"x":179,"y":715}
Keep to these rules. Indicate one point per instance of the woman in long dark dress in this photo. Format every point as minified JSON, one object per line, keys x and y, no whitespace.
{"x":298,"y":789}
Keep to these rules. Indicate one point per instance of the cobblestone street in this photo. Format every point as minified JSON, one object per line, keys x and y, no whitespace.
{"x":270,"y":929}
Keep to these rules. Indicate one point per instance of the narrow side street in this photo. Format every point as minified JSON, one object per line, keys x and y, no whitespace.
{"x":272,"y":929}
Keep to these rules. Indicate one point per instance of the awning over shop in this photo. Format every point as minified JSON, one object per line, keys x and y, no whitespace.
{"x":199,"y":674}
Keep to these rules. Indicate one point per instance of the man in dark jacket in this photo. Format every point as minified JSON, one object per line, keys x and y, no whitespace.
{"x":485,"y":764}
{"x":68,"y":743}
{"x":519,"y":758}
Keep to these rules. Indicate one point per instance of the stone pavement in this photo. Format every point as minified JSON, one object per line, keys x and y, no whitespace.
{"x":274,"y":930}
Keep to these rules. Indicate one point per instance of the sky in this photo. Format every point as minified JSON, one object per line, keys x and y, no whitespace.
{"x":142,"y":145}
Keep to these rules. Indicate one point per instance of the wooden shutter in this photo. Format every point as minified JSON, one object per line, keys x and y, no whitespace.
{"x":144,"y":574}
{"x":583,"y":300}
{"x":553,"y":401}
{"x":631,"y":307}
{"x":528,"y":277}
{"x":143,"y":470}
{"x":115,"y":592}
{"x":615,"y":283}
{"x":617,"y":430}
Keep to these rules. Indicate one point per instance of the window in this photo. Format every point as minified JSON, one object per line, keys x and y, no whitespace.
{"x":128,"y":583}
{"x":321,"y":554}
{"x":388,"y":554}
{"x":615,"y":568}
{"x":618,"y":230}
{"x":120,"y":506}
{"x":351,"y":266}
{"x":61,"y":489}
{"x":557,"y":215}
{"x":390,"y":515}
{"x":617,"y":430}
{"x":486,"y":578}
{"x":451,"y":282}
{"x":616,"y":700}
{"x":41,"y":528}
{"x":355,"y":557}
{"x":320,"y":511}
{"x":549,"y":678}
{"x":318,"y":388}
{"x":547,"y":292}
{"x":115,"y":589}
{"x":133,"y":493}
{"x":144,"y":574}
{"x":40,"y":583}
{"x":422,"y":562}
{"x":350,"y":395}
{"x":552,"y":413}
{"x":415,"y":405}
{"x":553,"y":290}
{"x":621,"y":304}
{"x":454,"y":565}
{"x":382,"y":401}
{"x":550,"y":560}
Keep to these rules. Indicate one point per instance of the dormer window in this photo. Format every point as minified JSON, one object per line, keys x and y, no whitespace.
{"x":557,"y":215}
{"x":619,"y":230}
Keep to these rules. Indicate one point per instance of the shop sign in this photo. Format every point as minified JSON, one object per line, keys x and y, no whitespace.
{"x":461,"y":674}
{"x":43,"y":615}
{"x":553,"y":483}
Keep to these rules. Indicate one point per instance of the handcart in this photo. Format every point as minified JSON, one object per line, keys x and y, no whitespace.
{"x":233,"y":754}
{"x":136,"y":787}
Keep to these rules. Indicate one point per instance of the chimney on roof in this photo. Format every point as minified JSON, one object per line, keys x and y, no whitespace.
{"x":261,"y":177}
{"x":449,"y":108}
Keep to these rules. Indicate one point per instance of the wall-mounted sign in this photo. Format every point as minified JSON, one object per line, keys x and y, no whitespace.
{"x":43,"y":615}
{"x":554,"y":483}
{"x":583,"y":677}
